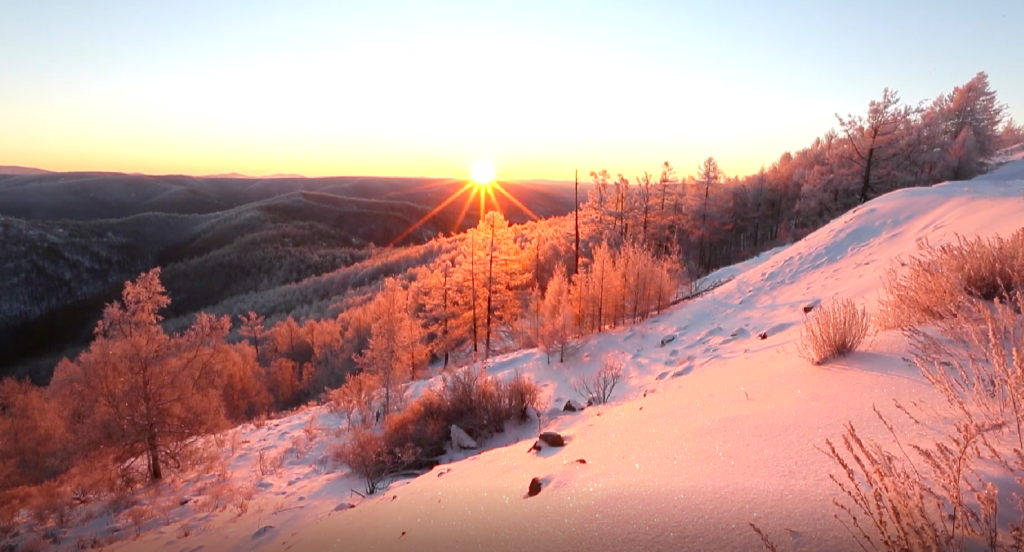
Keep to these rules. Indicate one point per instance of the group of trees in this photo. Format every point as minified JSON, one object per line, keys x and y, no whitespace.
{"x":143,"y":395}
{"x":139,"y":396}
{"x":715,"y":220}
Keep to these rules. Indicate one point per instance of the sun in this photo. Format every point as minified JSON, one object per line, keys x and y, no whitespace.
{"x":482,"y":173}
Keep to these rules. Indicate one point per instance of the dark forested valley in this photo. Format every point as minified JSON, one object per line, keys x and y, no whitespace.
{"x":68,"y":242}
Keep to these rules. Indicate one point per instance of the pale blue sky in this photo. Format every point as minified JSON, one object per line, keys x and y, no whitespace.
{"x":428,"y":88}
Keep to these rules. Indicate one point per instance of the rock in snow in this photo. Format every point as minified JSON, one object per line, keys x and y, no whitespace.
{"x":535,"y":487}
{"x":572,"y":406}
{"x":552,"y":439}
{"x":668,"y":339}
{"x":461,"y":440}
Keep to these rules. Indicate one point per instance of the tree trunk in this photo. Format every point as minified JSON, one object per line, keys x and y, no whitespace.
{"x":472,"y":285}
{"x":576,"y":261}
{"x":490,"y":291}
{"x":155,"y":471}
{"x":866,"y":183}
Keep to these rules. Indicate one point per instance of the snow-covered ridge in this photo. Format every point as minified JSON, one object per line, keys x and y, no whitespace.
{"x":714,"y":426}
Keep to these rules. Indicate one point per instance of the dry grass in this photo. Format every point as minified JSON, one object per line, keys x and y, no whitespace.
{"x":833,"y":330}
{"x":933,"y":284}
{"x":943,"y":494}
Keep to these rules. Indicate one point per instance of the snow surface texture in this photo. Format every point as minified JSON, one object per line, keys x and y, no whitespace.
{"x":709,"y":431}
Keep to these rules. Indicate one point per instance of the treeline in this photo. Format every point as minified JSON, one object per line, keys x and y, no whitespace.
{"x":716,"y":220}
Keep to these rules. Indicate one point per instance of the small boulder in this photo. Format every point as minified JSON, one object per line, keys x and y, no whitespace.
{"x":535,"y":487}
{"x":552,"y":439}
{"x":262,"y":531}
{"x":572,"y":406}
{"x":461,"y":440}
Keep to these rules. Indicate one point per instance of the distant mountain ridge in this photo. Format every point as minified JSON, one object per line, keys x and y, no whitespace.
{"x":240,"y":175}
{"x":100,"y":195}
{"x":15,"y":169}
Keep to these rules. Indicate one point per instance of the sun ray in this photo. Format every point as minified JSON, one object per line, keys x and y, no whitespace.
{"x":443,"y":204}
{"x":428,"y":186}
{"x":465,"y":208}
{"x":490,"y":193}
{"x":483,"y":202}
{"x":512,"y":198}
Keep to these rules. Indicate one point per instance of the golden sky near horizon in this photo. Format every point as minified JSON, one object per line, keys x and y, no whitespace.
{"x":404,"y":89}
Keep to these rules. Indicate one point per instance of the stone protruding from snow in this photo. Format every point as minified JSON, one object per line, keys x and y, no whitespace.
{"x":535,"y":487}
{"x":572,"y":406}
{"x":668,"y":339}
{"x":263,"y":531}
{"x":461,"y":440}
{"x":552,"y":439}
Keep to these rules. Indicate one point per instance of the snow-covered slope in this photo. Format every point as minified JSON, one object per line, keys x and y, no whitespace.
{"x":711,"y":430}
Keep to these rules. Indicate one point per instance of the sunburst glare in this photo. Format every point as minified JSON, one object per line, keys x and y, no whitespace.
{"x":483,"y":173}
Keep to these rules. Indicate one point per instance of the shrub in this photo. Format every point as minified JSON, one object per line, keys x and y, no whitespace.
{"x":356,"y":397}
{"x":833,"y":331}
{"x":414,"y":438}
{"x":520,"y":393}
{"x":938,"y":279}
{"x":598,"y":388}
{"x":368,"y":455}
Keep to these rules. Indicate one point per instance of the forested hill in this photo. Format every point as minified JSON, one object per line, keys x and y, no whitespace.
{"x":68,"y":241}
{"x":92,"y":196}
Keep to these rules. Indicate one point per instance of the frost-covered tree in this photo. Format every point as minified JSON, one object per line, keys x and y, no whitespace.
{"x":491,"y":271}
{"x":879,"y":143}
{"x":252,"y":329}
{"x":557,"y":315}
{"x":396,"y":347}
{"x":438,"y":295}
{"x":150,"y":393}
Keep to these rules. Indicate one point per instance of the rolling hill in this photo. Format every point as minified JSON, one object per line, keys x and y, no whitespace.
{"x":712,"y":428}
{"x":68,"y":241}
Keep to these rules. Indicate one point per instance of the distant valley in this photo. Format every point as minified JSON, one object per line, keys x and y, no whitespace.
{"x":68,"y":242}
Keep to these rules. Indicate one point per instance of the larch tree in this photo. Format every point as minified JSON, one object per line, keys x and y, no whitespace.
{"x":252,"y":329}
{"x":876,"y":142}
{"x":440,"y":309}
{"x":396,"y":347}
{"x":151,"y":394}
{"x":622,"y":205}
{"x":972,"y":115}
{"x":504,"y":274}
{"x":708,"y":175}
{"x":645,"y":199}
{"x":557,"y":315}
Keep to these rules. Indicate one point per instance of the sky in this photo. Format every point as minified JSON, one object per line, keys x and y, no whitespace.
{"x":411,"y":88}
